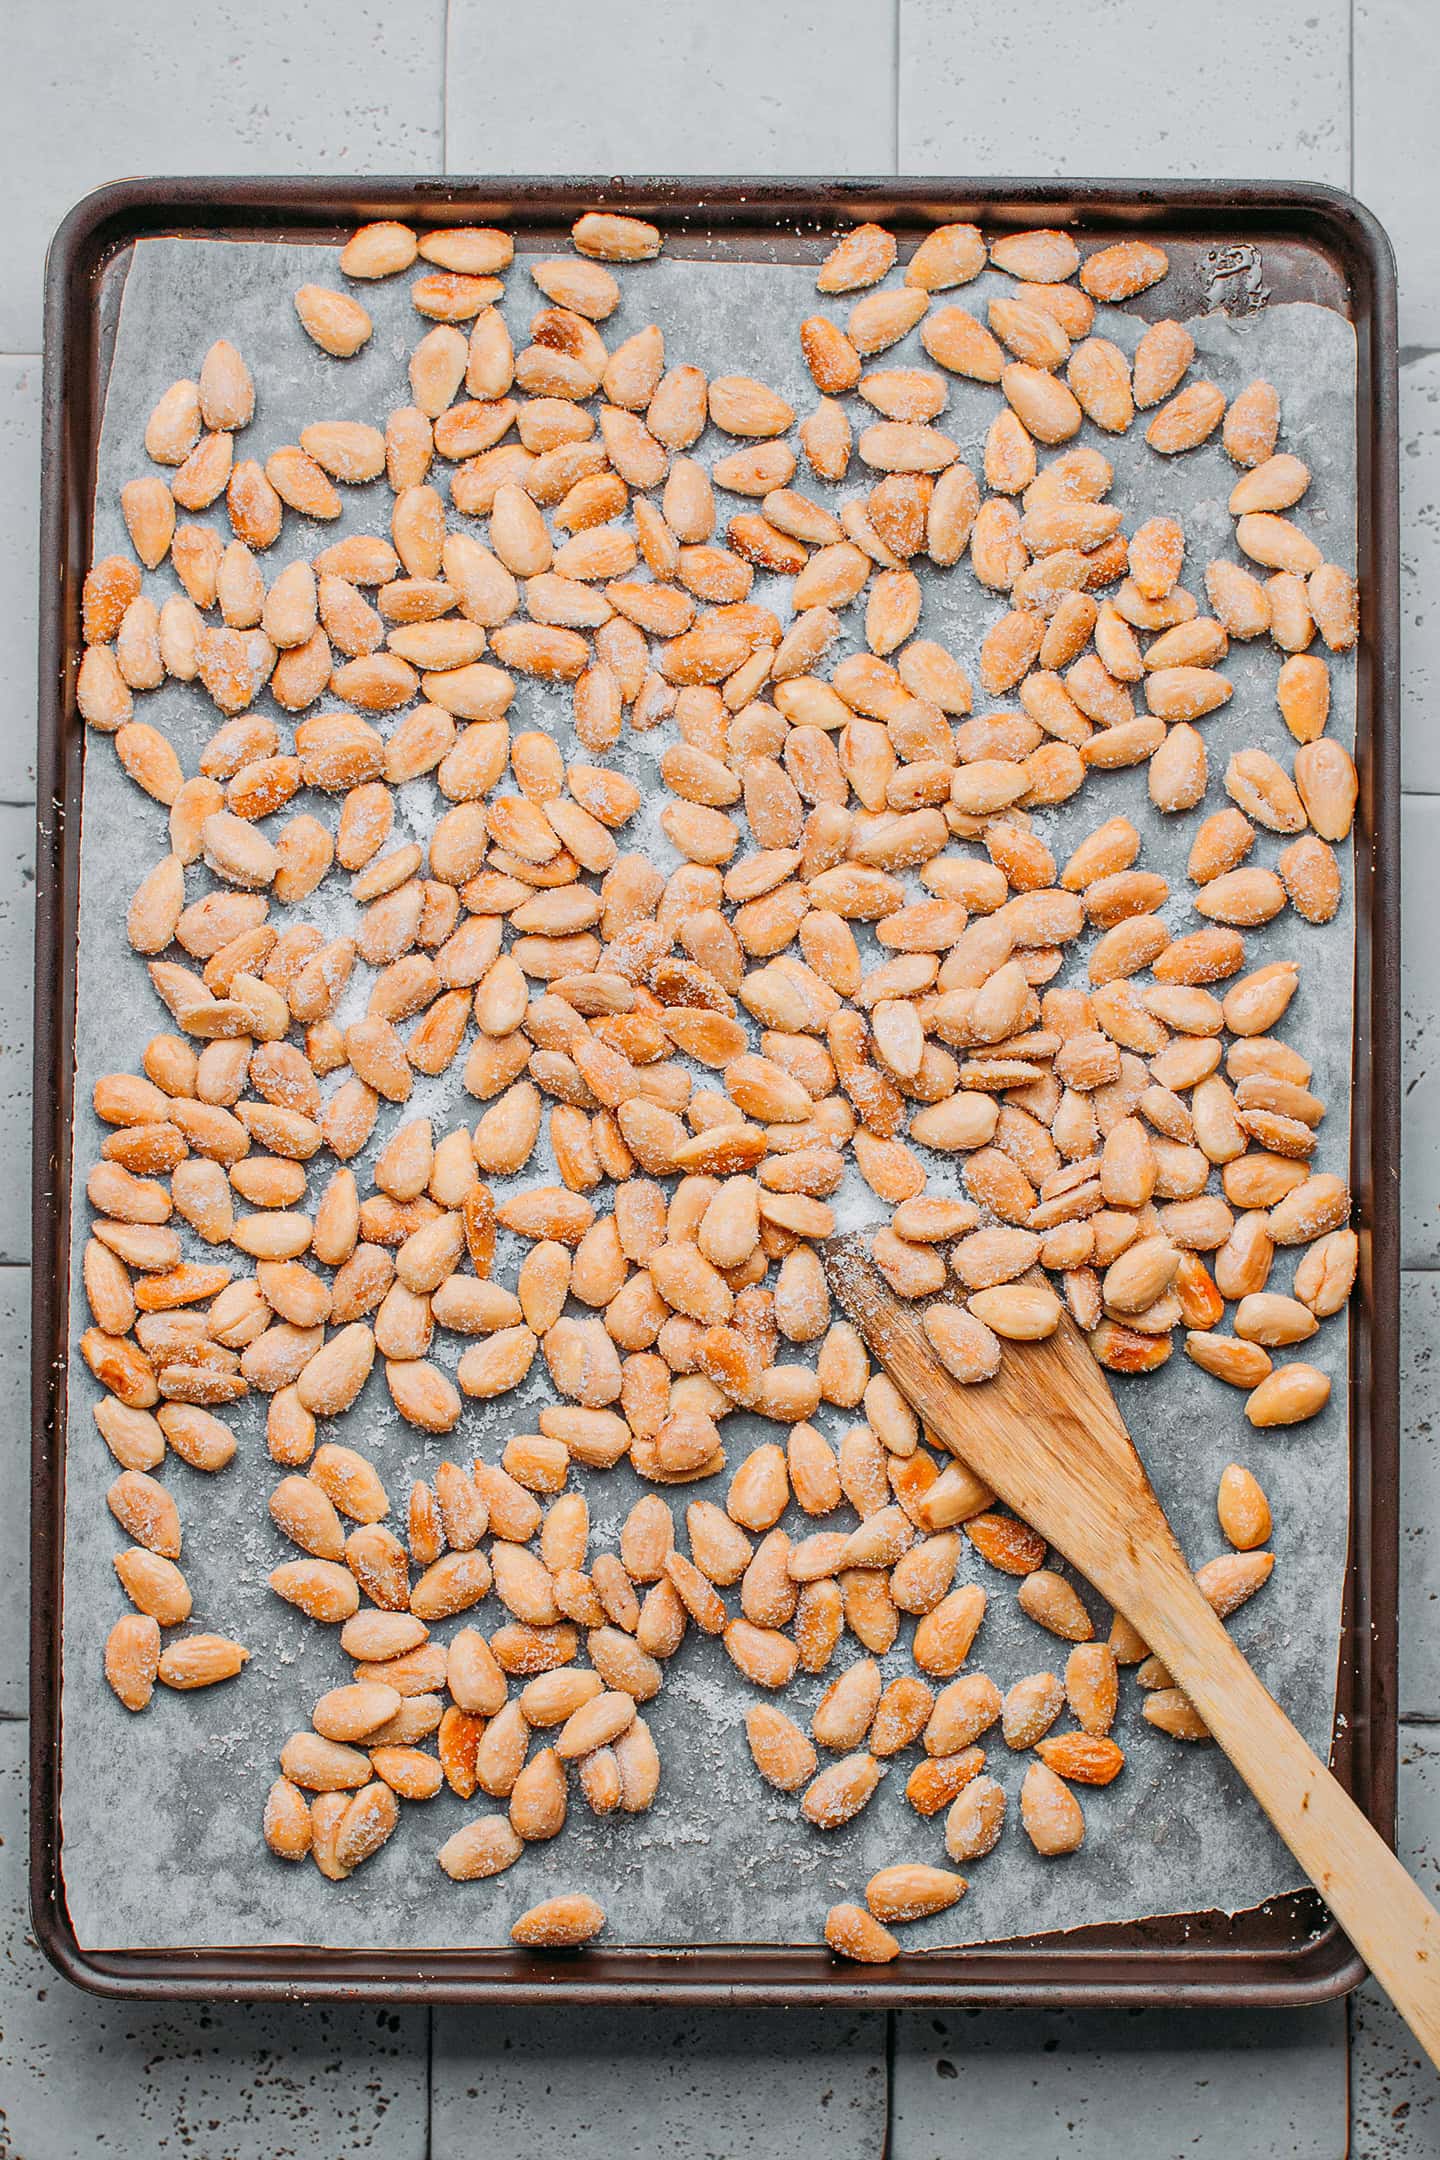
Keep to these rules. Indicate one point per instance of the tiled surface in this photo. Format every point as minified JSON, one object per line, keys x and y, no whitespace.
{"x":1068,"y":2085}
{"x":722,"y":2085}
{"x":1420,"y":965}
{"x":759,"y":86}
{"x":19,"y":535}
{"x":1420,"y":1496}
{"x":1395,"y":2100}
{"x":1420,"y":567}
{"x":1225,"y":91}
{"x":1397,"y":61}
{"x":89,"y":93}
{"x":14,"y":1489}
{"x":134,"y":2081}
{"x":764,"y":86}
{"x":17,"y":914}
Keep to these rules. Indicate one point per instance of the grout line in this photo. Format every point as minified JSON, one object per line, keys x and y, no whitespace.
{"x":887,"y":2143}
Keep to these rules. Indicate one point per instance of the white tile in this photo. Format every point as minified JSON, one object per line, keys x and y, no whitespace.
{"x":1041,"y":86}
{"x":88,"y":93}
{"x":1420,"y":1495}
{"x":14,"y":1489}
{"x":754,"y":86}
{"x":19,"y":570}
{"x":1420,"y":1032}
{"x":81,"y":2078}
{"x":17,"y":934}
{"x":1420,"y":569}
{"x":1395,"y":2093}
{"x":1098,"y":2085}
{"x":703,"y":2085}
{"x":1397,"y":57}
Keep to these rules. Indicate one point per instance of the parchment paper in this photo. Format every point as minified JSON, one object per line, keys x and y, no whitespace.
{"x":162,"y":1812}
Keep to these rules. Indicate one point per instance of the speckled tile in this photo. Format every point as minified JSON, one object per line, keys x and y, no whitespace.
{"x":1070,"y":2085}
{"x":17,"y":969}
{"x":1043,"y":86}
{"x":757,"y":86}
{"x":1395,"y":2094}
{"x":1420,"y":567}
{"x":702,"y":2085}
{"x":1420,"y":1495}
{"x":1420,"y":1032}
{"x":19,"y":569}
{"x":82,"y":2079}
{"x":1397,"y":59}
{"x":241,"y":86}
{"x":14,"y":1490}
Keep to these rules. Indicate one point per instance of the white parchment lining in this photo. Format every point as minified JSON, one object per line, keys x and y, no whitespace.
{"x":161,"y":1813}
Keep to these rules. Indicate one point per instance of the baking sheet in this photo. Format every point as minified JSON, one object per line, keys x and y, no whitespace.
{"x":161,"y":1827}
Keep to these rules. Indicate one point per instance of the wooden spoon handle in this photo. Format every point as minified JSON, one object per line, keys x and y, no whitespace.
{"x":1387,"y":1917}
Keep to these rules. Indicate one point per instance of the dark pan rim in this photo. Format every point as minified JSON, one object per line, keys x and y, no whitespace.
{"x":1200,"y":1962}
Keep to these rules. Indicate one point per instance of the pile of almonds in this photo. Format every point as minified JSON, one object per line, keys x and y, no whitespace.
{"x":847,"y":965}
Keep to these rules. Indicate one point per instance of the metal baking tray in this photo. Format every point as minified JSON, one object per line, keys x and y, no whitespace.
{"x":1233,"y":244}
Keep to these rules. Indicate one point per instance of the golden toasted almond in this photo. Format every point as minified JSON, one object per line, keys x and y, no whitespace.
{"x":197,"y":1661}
{"x":173,"y":428}
{"x":484,"y":1847}
{"x":841,"y":1790}
{"x":1050,"y":412}
{"x":950,"y":255}
{"x":606,"y":236}
{"x":1126,"y":267}
{"x":1082,"y":1758}
{"x":739,"y":405}
{"x":1055,"y":1604}
{"x":1099,"y":375}
{"x":1326,"y":1273}
{"x":783,"y":1755}
{"x":945,"y":1634}
{"x":559,"y":1923}
{"x":132,"y":1659}
{"x":1243,"y":1509}
{"x":854,"y":1933}
{"x":912,"y":1891}
{"x":1041,"y":257}
{"x":1188,"y":420}
{"x":861,"y":257}
{"x":975,"y":1820}
{"x":379,"y":250}
{"x":833,"y":362}
{"x":287,"y":1827}
{"x":1302,"y":691}
{"x":1288,"y":1395}
{"x":1030,"y":1708}
{"x":1050,"y":1813}
{"x":1091,"y":1687}
{"x":1252,"y":424}
{"x":1276,"y":543}
{"x":1017,"y":1312}
{"x":337,"y":323}
{"x":478,"y":250}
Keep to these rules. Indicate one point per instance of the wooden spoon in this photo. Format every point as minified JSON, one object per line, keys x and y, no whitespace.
{"x":1047,"y":1437}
